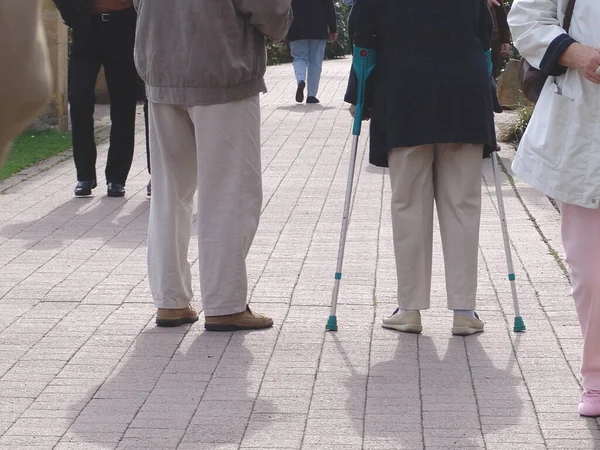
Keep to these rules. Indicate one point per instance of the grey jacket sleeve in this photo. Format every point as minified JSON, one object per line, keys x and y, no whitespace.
{"x":271,"y":17}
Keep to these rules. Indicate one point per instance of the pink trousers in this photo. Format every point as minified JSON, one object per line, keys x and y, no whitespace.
{"x":581,"y":240}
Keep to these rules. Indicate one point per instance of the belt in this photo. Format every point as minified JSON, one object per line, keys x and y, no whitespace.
{"x":113,"y":16}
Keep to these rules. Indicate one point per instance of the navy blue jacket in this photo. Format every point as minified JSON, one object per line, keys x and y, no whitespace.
{"x":431,"y":82}
{"x":313,"y":19}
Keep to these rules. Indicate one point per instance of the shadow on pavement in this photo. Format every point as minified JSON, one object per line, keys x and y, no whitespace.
{"x":306,"y":109}
{"x":420,"y":397}
{"x":80,"y":218}
{"x":171,"y":390}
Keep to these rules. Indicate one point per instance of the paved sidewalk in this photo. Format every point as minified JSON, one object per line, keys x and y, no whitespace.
{"x":82,"y":365}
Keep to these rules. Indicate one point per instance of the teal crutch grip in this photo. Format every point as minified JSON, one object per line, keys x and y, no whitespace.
{"x":363,"y":63}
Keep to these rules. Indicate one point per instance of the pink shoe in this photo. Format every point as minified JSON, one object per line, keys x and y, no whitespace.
{"x":589,"y":405}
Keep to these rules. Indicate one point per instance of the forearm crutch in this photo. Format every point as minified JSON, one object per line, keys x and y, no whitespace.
{"x":519,"y":324}
{"x":363,"y":63}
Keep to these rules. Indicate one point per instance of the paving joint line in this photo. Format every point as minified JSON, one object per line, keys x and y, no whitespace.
{"x":325,"y":201}
{"x":180,"y":441}
{"x":537,"y":227}
{"x":67,"y":361}
{"x":102,"y":384}
{"x":292,"y":210}
{"x":374,"y":316}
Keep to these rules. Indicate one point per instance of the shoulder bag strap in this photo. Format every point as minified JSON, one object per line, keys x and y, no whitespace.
{"x":569,"y":15}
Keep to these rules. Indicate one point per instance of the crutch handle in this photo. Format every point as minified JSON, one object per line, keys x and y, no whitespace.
{"x":363,"y":63}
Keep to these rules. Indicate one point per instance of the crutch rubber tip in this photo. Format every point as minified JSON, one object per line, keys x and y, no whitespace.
{"x":519,"y":325}
{"x":331,"y":324}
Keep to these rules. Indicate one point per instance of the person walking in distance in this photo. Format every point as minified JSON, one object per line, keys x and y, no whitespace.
{"x":103,"y":36}
{"x":314,"y":23}
{"x":203,"y":96}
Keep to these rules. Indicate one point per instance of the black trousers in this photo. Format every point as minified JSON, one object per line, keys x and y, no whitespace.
{"x":109,"y":43}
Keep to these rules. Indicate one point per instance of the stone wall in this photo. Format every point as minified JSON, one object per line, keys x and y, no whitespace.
{"x":57,"y":36}
{"x":509,"y":88}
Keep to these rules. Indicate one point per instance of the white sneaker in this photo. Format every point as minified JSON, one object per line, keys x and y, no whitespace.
{"x":466,"y":326}
{"x":407,"y":322}
{"x":589,"y":405}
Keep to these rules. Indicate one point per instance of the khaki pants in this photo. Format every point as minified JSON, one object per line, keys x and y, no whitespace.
{"x":25,"y":80}
{"x":450,"y":174}
{"x":216,"y":151}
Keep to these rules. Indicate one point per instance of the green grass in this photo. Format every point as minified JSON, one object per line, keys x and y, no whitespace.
{"x":33,"y":147}
{"x":514,"y":132}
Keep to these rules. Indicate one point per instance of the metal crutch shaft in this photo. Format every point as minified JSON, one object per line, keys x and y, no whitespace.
{"x":363,"y":63}
{"x":519,"y":324}
{"x":332,"y":323}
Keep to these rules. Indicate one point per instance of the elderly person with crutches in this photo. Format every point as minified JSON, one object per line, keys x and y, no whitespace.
{"x":25,"y":80}
{"x":559,"y":154}
{"x":431,"y":108}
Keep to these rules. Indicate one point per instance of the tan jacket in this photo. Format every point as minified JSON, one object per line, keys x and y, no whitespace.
{"x":25,"y":80}
{"x":204,"y":52}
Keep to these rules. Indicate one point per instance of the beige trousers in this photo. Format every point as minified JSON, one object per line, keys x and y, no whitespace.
{"x":214,"y":150}
{"x":450,"y":174}
{"x":25,"y":80}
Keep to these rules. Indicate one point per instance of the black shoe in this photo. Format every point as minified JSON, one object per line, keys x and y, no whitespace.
{"x":84,"y":188}
{"x":300,"y":92}
{"x":115,"y":190}
{"x":313,"y":100}
{"x":149,"y":189}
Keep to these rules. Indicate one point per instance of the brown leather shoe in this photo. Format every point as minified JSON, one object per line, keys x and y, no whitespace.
{"x":246,"y":320}
{"x":175,"y":317}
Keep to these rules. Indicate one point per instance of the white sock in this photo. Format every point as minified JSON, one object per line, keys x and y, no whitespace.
{"x":464,"y":312}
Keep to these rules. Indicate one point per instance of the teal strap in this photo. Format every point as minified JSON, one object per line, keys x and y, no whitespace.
{"x":488,"y":58}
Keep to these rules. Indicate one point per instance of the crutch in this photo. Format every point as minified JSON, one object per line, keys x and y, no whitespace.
{"x":363,"y":63}
{"x":519,"y":324}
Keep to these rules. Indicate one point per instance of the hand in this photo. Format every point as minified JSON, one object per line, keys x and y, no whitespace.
{"x":585,"y":59}
{"x":493,"y":3}
{"x":505,"y":50}
{"x":333,"y":37}
{"x":366,"y":113}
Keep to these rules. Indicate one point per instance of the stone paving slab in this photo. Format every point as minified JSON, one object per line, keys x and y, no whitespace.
{"x":82,"y":365}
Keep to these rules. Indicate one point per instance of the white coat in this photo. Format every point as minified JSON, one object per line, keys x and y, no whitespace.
{"x":559,"y":154}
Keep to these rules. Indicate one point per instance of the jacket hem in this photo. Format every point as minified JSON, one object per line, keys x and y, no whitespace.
{"x":528,"y":177}
{"x":205,"y":96}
